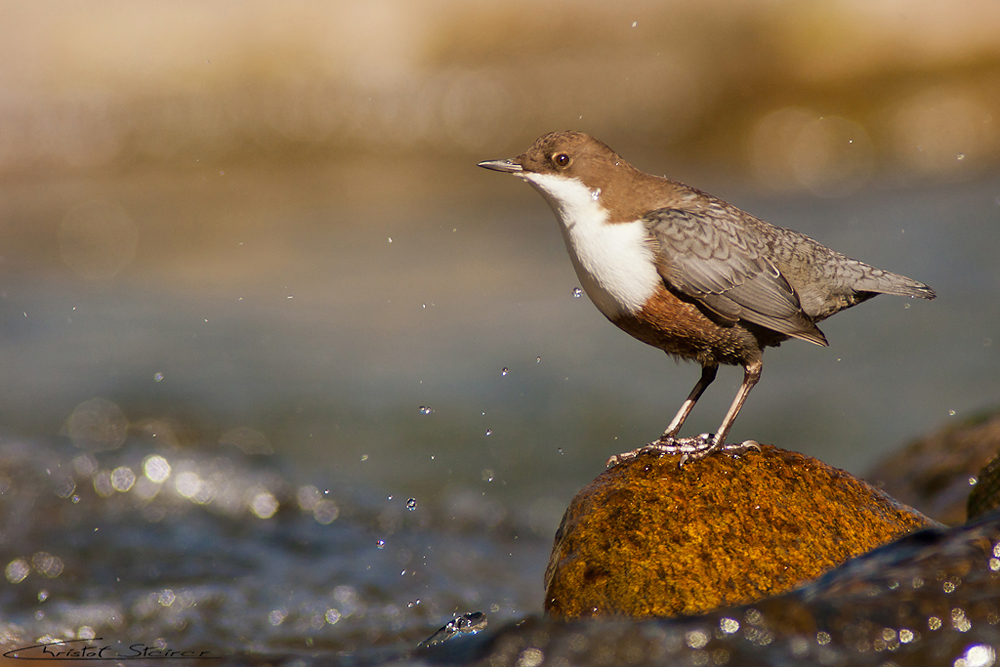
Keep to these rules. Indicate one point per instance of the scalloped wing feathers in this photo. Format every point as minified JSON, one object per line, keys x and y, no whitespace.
{"x":713,"y":260}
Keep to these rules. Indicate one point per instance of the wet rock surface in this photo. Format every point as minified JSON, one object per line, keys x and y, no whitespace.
{"x":930,"y":598}
{"x":985,"y":496}
{"x":649,"y":538}
{"x":933,"y":473}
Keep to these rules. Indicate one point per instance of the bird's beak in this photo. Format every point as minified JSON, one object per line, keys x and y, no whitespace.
{"x":508,"y":165}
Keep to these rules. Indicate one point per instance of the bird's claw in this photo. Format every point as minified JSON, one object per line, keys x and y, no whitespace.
{"x":690,"y":449}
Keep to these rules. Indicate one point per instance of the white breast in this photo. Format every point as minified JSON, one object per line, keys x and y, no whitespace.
{"x":613,"y":261}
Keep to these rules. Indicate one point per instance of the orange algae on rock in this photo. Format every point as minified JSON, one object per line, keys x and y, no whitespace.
{"x":649,"y":538}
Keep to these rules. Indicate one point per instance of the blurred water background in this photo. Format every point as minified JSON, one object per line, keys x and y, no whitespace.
{"x":257,"y":229}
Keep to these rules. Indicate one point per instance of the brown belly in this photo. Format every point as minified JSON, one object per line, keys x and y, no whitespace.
{"x":680,"y":328}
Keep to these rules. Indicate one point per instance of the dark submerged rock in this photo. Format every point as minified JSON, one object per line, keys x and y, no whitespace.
{"x":929,"y":598}
{"x":648,"y":538}
{"x":933,"y":473}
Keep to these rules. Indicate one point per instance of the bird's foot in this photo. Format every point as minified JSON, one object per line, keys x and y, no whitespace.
{"x":690,"y":449}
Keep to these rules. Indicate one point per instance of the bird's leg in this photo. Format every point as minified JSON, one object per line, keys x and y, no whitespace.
{"x":707,"y":377}
{"x":751,"y":375}
{"x":692,"y":449}
{"x":668,"y":443}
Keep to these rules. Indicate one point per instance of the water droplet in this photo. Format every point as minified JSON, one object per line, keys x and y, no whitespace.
{"x":951,"y":413}
{"x":696,"y":639}
{"x":560,"y":450}
{"x":411,"y":504}
{"x":504,"y":372}
{"x":157,"y":377}
{"x":595,"y":194}
{"x":364,"y":457}
{"x":380,"y":544}
{"x":635,"y":23}
{"x":577,"y":292}
{"x":961,"y":156}
{"x":425,"y":410}
{"x":489,"y":432}
{"x":156,"y":468}
{"x":538,"y":360}
{"x":487,"y":475}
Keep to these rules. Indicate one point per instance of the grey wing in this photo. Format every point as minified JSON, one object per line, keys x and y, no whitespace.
{"x":712,"y":259}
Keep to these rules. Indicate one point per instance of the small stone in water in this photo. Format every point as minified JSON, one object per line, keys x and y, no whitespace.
{"x":467,"y":624}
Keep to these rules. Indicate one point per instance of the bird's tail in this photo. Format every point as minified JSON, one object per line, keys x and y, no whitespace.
{"x":884,"y":282}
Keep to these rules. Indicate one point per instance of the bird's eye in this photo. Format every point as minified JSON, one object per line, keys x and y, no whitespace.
{"x":561,"y":159}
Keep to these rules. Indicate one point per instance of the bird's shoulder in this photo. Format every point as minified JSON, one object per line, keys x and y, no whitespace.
{"x":702,"y":231}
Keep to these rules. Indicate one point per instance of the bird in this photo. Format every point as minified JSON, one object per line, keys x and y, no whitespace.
{"x":689,"y":273}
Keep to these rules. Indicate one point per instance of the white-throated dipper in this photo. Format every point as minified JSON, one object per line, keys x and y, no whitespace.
{"x":688,"y":273}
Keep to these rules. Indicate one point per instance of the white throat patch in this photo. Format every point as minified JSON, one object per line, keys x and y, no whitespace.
{"x":613,"y":261}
